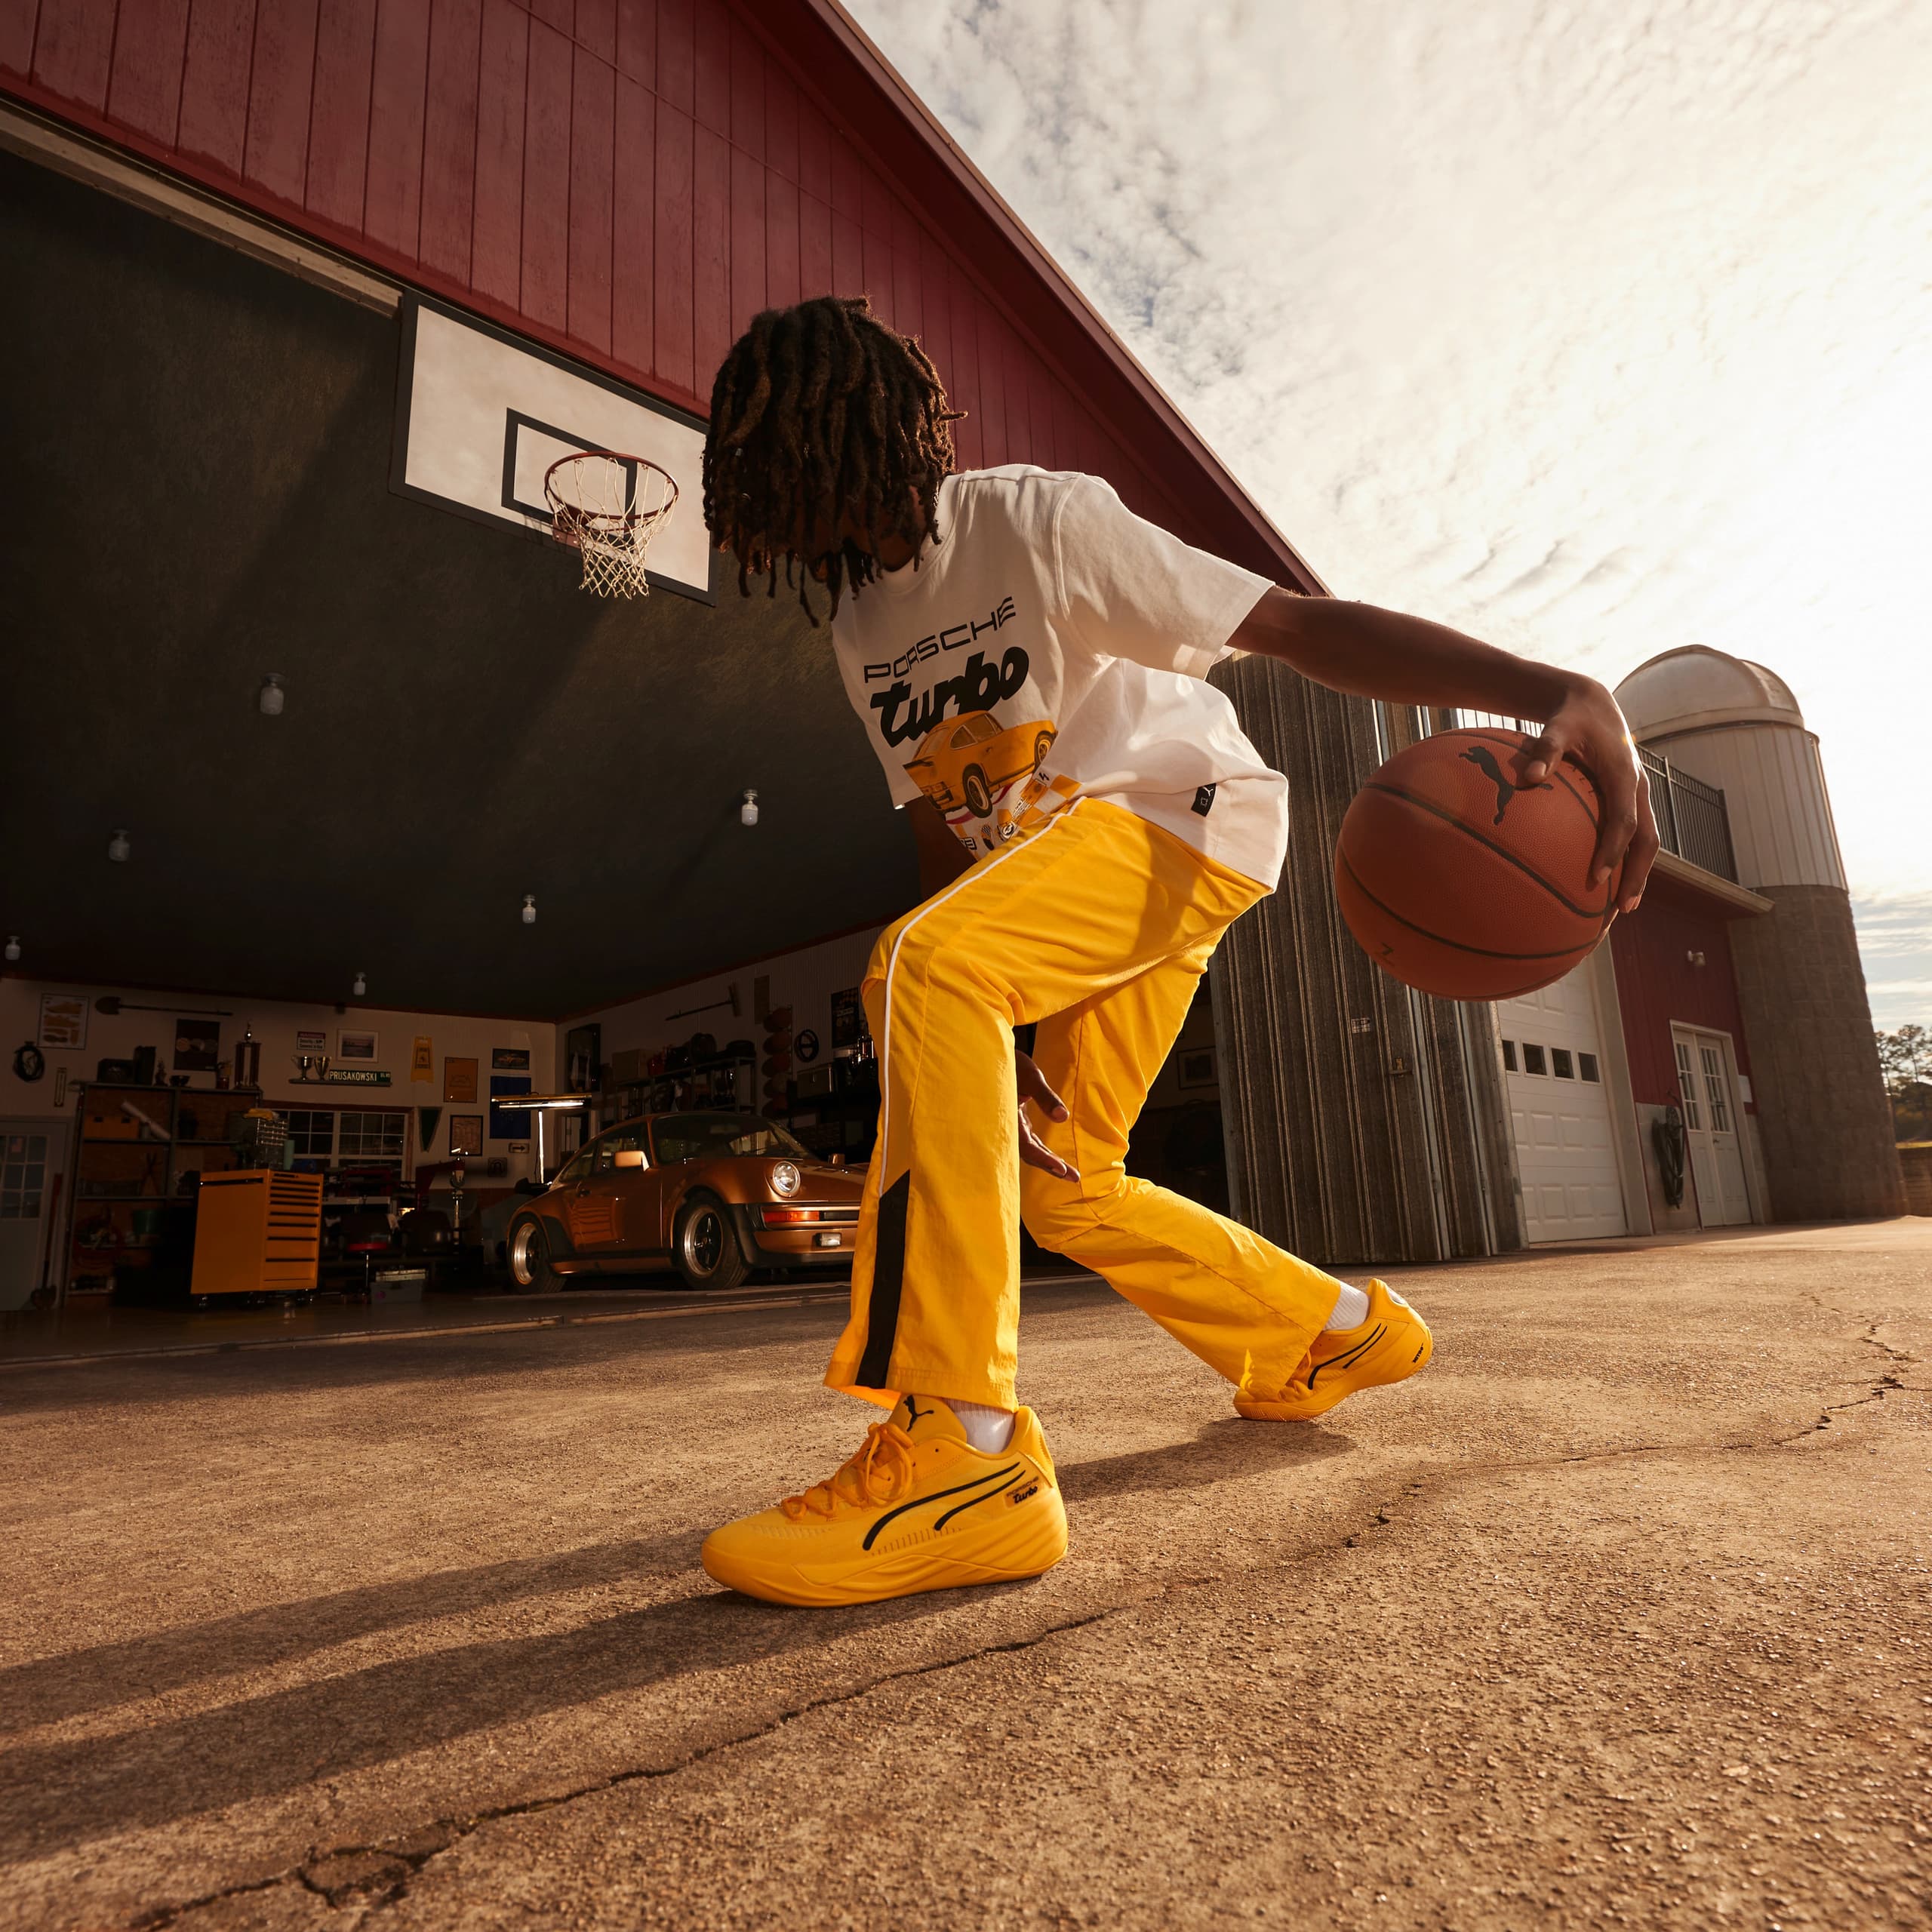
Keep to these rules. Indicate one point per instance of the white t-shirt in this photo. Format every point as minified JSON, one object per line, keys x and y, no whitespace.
{"x":1052,"y":645}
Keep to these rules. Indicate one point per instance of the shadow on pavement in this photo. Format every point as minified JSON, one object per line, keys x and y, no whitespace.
{"x":62,"y":1793}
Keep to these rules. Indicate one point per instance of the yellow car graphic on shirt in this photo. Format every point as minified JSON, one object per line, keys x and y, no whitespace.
{"x":969,"y":762}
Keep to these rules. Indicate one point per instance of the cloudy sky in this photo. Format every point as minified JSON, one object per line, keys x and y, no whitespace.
{"x":1594,"y":326}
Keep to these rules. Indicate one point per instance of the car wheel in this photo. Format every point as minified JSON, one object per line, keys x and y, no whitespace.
{"x":979,"y":794}
{"x":705,"y":1245}
{"x":530,"y":1271}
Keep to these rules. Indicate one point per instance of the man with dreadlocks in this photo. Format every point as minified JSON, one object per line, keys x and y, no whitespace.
{"x":1028,"y":660}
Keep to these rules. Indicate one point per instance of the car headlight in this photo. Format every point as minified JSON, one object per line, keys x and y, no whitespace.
{"x":785,"y":1178}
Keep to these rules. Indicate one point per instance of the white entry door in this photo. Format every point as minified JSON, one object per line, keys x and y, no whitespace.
{"x":1707,"y":1090}
{"x":29,"y":1158}
{"x":1559,"y":1113}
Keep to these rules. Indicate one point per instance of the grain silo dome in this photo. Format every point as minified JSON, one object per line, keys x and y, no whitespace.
{"x":1696,"y":689}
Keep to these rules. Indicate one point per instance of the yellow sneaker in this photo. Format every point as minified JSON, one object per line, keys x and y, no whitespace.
{"x":918,"y":1508}
{"x":1391,"y":1345}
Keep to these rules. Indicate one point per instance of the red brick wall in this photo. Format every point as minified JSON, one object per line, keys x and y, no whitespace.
{"x":1656,"y":984}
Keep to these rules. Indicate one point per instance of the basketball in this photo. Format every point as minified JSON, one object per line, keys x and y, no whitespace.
{"x":1461,"y":882}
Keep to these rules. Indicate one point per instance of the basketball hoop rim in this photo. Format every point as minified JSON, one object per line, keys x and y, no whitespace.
{"x":564,"y":516}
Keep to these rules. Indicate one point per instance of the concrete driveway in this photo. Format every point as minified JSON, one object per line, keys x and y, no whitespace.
{"x":1620,"y":1613}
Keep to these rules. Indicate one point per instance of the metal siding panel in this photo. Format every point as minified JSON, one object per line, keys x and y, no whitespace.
{"x":497,"y":244}
{"x":339,"y":126}
{"x":450,"y":136}
{"x":848,"y":256}
{"x":711,"y":242}
{"x":878,"y":275}
{"x":963,"y":384}
{"x":814,"y":248}
{"x":73,"y":49}
{"x":150,"y":51}
{"x":677,"y":54}
{"x":593,"y":135}
{"x":399,"y":83}
{"x":596,"y":30}
{"x":711,"y":68}
{"x":546,"y":179}
{"x":277,"y":154}
{"x":634,"y":230}
{"x":876,"y":208}
{"x":781,"y":122}
{"x":990,"y":389}
{"x":848,"y":180}
{"x":556,"y":13}
{"x":747,"y":263}
{"x":674,"y":360}
{"x":935,"y":314}
{"x":909,"y":311}
{"x":781,"y":281}
{"x":748,"y":65}
{"x":814,"y":152}
{"x":214,"y":81}
{"x":18,"y":20}
{"x":1040,"y":413}
{"x":637,"y":41}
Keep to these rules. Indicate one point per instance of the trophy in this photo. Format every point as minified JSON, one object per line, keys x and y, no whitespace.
{"x":303,"y":1062}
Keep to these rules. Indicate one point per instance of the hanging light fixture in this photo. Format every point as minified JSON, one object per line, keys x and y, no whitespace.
{"x":747,"y":811}
{"x":118,"y":847}
{"x":361,"y":983}
{"x":529,"y":909}
{"x":270,"y":696}
{"x":12,"y":947}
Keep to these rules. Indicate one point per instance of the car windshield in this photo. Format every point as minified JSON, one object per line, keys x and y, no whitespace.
{"x":700,"y":1137}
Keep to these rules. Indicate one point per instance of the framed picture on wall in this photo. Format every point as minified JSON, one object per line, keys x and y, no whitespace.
{"x":1196,"y":1069}
{"x":460,"y":1081}
{"x":355,"y":1046}
{"x":465,"y":1133}
{"x":63,"y":1020}
{"x":197,"y":1045}
{"x":582,"y":1051}
{"x":510,"y":1060}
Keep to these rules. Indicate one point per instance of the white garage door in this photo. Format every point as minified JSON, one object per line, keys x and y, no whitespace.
{"x":1559,"y":1112}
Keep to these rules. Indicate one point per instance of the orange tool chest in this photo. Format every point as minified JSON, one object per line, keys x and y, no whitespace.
{"x":257,"y":1231}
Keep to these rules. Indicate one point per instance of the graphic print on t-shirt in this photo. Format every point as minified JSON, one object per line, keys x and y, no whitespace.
{"x":970,"y":767}
{"x":968,"y":760}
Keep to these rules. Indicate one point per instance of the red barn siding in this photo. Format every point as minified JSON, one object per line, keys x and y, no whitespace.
{"x":629,"y":181}
{"x":1657,"y":983}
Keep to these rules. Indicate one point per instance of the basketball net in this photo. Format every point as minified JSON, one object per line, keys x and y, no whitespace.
{"x":607,"y":506}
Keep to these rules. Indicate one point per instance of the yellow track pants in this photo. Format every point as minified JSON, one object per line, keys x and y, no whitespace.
{"x":1098,"y":927}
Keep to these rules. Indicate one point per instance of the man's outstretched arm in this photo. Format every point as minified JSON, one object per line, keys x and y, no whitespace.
{"x":1378,"y":653}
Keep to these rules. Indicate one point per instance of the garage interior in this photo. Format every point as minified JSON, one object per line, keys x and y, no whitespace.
{"x":459,"y":727}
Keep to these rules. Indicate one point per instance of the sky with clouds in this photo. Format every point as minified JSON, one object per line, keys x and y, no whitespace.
{"x":1593,"y":327}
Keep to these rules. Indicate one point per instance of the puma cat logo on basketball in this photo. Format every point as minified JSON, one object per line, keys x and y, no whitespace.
{"x":1484,"y":759}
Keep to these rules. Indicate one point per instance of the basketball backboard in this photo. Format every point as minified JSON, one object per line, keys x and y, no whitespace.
{"x":482,"y":414}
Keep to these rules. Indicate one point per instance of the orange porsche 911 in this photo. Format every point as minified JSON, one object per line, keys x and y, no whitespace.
{"x":713,"y":1195}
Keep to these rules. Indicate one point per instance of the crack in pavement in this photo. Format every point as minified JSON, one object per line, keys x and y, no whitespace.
{"x":377,"y":1875}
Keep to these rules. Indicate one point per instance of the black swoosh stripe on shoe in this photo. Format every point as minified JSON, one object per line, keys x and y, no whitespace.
{"x":1343,"y":1361}
{"x":987,"y":1498}
{"x":919,"y":1502}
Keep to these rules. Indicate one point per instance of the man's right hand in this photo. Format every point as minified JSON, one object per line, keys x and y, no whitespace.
{"x":1035,"y":1152}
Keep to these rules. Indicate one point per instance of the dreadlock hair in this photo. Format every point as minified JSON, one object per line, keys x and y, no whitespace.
{"x":820,"y":411}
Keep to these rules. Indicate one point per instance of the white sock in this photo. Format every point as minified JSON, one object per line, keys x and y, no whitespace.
{"x":988,"y":1429}
{"x":1351,"y":1309}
